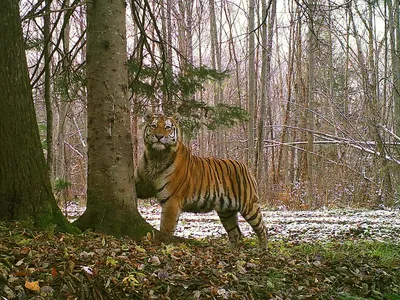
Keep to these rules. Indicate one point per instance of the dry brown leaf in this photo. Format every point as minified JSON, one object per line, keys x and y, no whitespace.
{"x":32,"y":285}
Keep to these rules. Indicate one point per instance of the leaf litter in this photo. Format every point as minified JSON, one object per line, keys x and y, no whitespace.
{"x":311,"y":255}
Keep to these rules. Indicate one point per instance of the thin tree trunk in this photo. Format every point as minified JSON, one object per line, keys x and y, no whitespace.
{"x":182,"y":42}
{"x":216,"y":64}
{"x":235,"y":58}
{"x":267,"y":38}
{"x":294,"y":48}
{"x":189,"y":30}
{"x":396,"y":116}
{"x":251,"y":88}
{"x":394,"y":29}
{"x":47,"y":95}
{"x":312,"y":43}
{"x":202,"y":140}
{"x":346,"y":74}
{"x":60,"y":164}
{"x":387,"y":189}
{"x":301,"y":99}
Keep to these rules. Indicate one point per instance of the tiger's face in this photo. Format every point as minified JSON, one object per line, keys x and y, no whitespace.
{"x":161,"y":132}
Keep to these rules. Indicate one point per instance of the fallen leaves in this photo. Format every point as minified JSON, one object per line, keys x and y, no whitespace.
{"x":32,"y":285}
{"x":96,"y":266}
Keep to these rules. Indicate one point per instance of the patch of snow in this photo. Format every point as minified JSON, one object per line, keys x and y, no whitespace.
{"x":306,"y":226}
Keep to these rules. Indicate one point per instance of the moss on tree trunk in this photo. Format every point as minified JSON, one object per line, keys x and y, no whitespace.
{"x":25,"y":191}
{"x":111,"y":201}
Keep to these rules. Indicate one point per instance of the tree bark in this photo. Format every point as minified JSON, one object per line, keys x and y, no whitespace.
{"x":396,"y":103}
{"x":216,"y":64}
{"x":394,"y":29}
{"x":251,"y":88}
{"x":312,"y":44}
{"x":59,"y":158}
{"x":25,"y":190}
{"x":47,"y":92}
{"x":294,"y":49}
{"x":267,"y":38}
{"x":111,"y":199}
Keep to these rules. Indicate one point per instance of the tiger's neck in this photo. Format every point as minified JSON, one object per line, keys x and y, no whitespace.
{"x":161,"y":159}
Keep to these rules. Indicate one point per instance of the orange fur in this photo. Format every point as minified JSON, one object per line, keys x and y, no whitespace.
{"x":182,"y":181}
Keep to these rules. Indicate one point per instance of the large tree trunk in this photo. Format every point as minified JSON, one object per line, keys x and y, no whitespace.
{"x":111,"y":200}
{"x":25,"y":191}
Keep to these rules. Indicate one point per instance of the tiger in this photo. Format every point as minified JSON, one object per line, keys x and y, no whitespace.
{"x":184,"y":182}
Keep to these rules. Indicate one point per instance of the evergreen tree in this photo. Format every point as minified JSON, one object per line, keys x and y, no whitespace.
{"x":25,"y":190}
{"x":111,"y":201}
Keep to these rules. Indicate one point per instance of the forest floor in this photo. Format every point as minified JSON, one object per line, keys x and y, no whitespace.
{"x":311,"y":255}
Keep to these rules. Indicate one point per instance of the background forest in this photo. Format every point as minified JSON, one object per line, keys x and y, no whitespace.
{"x":306,"y":92}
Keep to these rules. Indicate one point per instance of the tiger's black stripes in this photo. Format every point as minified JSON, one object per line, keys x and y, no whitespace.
{"x":184,"y":182}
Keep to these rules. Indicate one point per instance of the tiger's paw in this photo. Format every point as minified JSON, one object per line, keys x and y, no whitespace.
{"x":164,"y":238}
{"x":263,"y":246}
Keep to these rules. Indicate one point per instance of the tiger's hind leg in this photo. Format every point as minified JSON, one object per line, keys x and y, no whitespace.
{"x":253,"y":216}
{"x":229,"y":220}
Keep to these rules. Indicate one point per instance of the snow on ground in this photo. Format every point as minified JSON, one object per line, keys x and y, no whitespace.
{"x":296,"y":226}
{"x":306,"y":226}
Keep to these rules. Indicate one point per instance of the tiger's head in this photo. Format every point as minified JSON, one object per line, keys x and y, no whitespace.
{"x":161,"y":132}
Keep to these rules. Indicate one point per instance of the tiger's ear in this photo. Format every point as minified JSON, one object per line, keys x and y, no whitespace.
{"x":177,"y":117}
{"x":147,"y":116}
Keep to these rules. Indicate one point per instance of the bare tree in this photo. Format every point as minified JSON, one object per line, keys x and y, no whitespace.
{"x":394,"y":29}
{"x":310,"y":104}
{"x":267,"y":38}
{"x":251,"y":91}
{"x":47,"y":87}
{"x":215,"y":64}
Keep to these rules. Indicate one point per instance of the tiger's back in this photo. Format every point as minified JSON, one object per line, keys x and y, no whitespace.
{"x":182,"y":181}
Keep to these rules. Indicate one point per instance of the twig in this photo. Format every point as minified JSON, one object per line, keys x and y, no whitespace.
{"x":327,"y":159}
{"x":79,"y":133}
{"x":73,"y":149}
{"x":389,"y":131}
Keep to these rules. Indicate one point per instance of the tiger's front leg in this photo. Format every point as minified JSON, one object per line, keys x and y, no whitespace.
{"x":169,"y":218}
